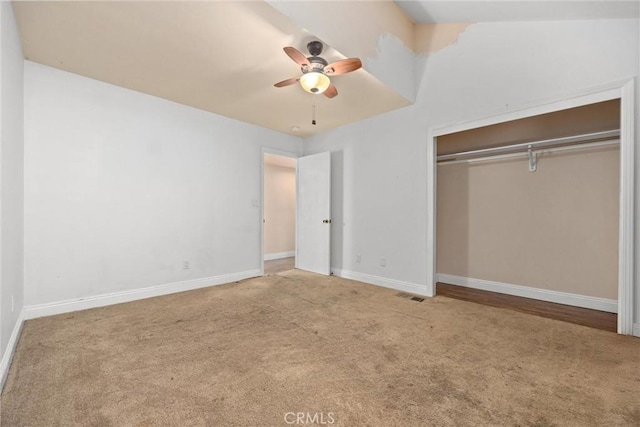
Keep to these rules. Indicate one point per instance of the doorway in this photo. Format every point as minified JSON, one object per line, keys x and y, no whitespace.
{"x":278,"y":213}
{"x":310,"y":220}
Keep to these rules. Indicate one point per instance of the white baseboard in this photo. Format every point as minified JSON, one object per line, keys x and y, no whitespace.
{"x":636,"y":330}
{"x":595,"y":303}
{"x":399,"y":285}
{"x":59,"y":307}
{"x":7,"y":357}
{"x":279,"y":255}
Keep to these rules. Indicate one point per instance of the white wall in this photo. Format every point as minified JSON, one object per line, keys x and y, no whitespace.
{"x":122,"y":188}
{"x":379,"y":175}
{"x":11,"y":180}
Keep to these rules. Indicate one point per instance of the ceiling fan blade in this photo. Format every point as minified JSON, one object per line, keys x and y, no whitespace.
{"x":297,"y":56}
{"x":331,"y":91}
{"x":343,"y":66}
{"x":287,"y":82}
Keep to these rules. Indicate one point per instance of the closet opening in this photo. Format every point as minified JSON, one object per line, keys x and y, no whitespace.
{"x":533,"y":210}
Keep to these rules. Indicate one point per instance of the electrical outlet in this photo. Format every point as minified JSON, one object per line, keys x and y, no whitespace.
{"x":185,"y":266}
{"x":383,"y":262}
{"x":358,"y":258}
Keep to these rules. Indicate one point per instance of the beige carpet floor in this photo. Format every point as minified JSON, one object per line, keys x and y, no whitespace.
{"x":250,"y":353}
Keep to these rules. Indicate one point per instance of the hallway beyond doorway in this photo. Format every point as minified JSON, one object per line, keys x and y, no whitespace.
{"x":279,"y":265}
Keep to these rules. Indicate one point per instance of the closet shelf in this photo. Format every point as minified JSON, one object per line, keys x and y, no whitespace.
{"x":557,"y":144}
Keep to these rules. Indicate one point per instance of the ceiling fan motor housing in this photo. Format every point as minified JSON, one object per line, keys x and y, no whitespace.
{"x":317,"y":63}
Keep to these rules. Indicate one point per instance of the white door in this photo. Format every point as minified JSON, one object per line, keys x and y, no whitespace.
{"x":313,"y":223}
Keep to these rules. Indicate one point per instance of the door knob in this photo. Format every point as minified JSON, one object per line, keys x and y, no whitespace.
{"x":326,"y":221}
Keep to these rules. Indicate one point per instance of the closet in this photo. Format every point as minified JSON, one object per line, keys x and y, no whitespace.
{"x":531,"y":207}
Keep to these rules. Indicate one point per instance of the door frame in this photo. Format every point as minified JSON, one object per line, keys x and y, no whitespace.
{"x":267,"y":150}
{"x":623,"y":90}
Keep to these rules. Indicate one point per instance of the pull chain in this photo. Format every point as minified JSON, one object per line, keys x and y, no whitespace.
{"x":313,"y":115}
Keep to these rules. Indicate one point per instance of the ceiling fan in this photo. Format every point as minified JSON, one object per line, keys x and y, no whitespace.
{"x":316,"y":70}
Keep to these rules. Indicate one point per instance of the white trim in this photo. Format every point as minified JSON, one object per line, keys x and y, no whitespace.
{"x":595,"y":303}
{"x":267,"y":150}
{"x":636,"y":330}
{"x":67,"y":306}
{"x":381,"y":281}
{"x":626,"y":220}
{"x":279,"y":255}
{"x":623,"y":90}
{"x":432,"y":177}
{"x":7,"y":357}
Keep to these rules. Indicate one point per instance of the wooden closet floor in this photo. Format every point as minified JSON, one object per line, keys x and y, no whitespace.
{"x":567,"y":313}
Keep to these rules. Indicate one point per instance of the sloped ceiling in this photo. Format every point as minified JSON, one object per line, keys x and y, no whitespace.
{"x":225,"y":56}
{"x":222,"y":57}
{"x":430,"y":12}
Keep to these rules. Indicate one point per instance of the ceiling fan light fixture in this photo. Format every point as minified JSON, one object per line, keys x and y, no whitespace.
{"x":314,"y":82}
{"x":316,"y":71}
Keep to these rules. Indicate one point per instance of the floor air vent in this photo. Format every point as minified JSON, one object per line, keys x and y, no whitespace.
{"x":409,"y":296}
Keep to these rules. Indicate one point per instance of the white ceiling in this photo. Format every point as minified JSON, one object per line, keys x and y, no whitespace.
{"x":224,"y":57}
{"x":426,"y":11}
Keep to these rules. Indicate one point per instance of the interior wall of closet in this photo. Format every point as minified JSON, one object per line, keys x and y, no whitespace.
{"x":546,"y":220}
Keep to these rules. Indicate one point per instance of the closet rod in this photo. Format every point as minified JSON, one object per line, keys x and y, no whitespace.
{"x":525,"y":153}
{"x":597,"y":136}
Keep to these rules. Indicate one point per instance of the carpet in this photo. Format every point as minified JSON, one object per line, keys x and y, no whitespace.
{"x":301,"y":349}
